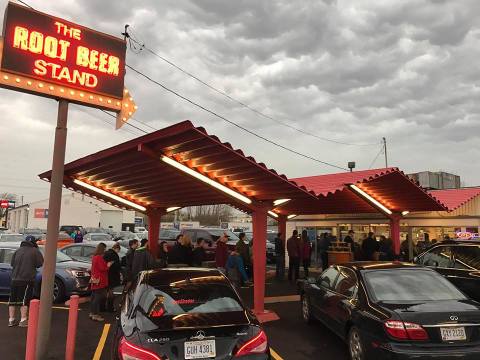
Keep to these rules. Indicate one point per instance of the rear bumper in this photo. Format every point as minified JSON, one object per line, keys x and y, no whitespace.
{"x":407,"y":352}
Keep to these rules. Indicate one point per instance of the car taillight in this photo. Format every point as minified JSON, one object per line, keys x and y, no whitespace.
{"x":256,"y":345}
{"x":405,"y":330}
{"x":129,"y":351}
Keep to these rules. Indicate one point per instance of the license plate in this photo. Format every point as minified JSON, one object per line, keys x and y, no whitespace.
{"x":200,"y":349}
{"x":453,"y":334}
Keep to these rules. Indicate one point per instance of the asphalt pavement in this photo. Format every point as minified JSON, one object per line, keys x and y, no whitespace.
{"x":290,"y":337}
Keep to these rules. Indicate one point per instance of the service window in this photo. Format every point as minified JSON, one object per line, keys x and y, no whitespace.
{"x":440,"y":256}
{"x":328,"y":277}
{"x":74,"y":251}
{"x":346,"y":282}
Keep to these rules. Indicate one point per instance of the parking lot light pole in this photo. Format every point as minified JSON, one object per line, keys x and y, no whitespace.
{"x":50,"y":254}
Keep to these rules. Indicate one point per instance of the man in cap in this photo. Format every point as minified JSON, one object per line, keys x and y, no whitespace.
{"x":25,"y":262}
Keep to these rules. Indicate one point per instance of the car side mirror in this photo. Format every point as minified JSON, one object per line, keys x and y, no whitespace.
{"x":415,"y":259}
{"x":435,"y":263}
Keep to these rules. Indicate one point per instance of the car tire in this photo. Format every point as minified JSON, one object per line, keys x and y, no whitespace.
{"x":356,"y":347}
{"x":306,"y":310}
{"x":58,"y":291}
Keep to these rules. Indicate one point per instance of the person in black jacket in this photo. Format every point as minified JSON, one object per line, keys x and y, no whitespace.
{"x":25,"y":262}
{"x":280,"y":257}
{"x":114,"y":278}
{"x":142,"y":260}
{"x":163,"y":254}
{"x":369,"y":247}
{"x":181,"y":253}
{"x":198,"y":254}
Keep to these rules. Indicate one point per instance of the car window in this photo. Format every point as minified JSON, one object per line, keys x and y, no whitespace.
{"x":346,"y":282}
{"x":12,"y":238}
{"x":100,"y":237}
{"x":7,"y":255}
{"x":440,"y":256}
{"x":88,"y":251}
{"x":74,"y":251}
{"x":410,"y":285}
{"x":328,"y":277}
{"x":467,"y":257}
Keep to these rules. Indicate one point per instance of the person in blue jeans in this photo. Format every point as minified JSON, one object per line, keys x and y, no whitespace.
{"x":235,"y":269}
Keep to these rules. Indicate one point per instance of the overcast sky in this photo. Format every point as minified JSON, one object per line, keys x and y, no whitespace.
{"x":353,"y":71}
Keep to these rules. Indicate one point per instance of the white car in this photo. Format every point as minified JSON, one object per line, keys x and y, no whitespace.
{"x":9,"y":237}
{"x":97,"y":237}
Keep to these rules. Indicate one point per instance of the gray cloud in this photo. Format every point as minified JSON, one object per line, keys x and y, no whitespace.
{"x":355,"y":70}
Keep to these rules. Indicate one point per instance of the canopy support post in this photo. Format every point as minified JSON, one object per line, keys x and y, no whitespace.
{"x":154,"y":217}
{"x":395,"y":233}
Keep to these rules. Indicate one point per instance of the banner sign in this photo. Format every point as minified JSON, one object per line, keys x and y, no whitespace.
{"x":40,"y":213}
{"x":7,"y":204}
{"x":47,"y":48}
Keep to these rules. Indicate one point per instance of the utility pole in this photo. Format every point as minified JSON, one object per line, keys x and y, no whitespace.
{"x":385,"y":151}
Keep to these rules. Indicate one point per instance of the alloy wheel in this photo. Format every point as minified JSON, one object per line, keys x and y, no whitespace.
{"x":56,"y":290}
{"x":305,"y":309}
{"x":355,"y":344}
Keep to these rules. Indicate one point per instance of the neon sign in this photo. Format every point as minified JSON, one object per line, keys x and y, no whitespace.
{"x":46,"y":48}
{"x":466,"y":235}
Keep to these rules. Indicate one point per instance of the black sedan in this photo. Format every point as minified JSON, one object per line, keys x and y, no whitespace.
{"x":394,"y":311}
{"x":187,"y":313}
{"x":458,"y":261}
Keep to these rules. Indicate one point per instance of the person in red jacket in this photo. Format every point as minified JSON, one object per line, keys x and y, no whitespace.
{"x":98,"y":281}
{"x":221,"y":252}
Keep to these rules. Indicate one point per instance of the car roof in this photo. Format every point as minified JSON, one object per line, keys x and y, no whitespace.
{"x":93,"y":244}
{"x":98,"y":233}
{"x":380,"y":265}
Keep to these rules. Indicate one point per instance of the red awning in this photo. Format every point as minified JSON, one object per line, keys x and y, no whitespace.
{"x":391,"y":187}
{"x":454,"y":198}
{"x":134,"y":171}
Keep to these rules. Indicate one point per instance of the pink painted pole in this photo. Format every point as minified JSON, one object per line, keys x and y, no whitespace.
{"x":72,"y":328}
{"x":32,"y":329}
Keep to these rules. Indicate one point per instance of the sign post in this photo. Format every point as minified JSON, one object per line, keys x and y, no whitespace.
{"x":51,"y":57}
{"x":50,"y":254}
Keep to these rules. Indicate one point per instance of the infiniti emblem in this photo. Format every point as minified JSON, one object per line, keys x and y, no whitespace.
{"x":454,"y":318}
{"x":200,"y":335}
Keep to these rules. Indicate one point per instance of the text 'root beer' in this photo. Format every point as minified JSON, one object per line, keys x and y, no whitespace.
{"x":59,"y":49}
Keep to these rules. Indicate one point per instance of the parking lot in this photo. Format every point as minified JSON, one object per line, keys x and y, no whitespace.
{"x":290,"y":337}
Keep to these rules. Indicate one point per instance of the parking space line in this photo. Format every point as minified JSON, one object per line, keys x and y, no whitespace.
{"x":101,"y":342}
{"x":286,"y":298}
{"x":275,"y":354}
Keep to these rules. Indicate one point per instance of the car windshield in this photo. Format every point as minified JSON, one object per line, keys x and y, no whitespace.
{"x":61,"y":257}
{"x":409,"y":285}
{"x":101,"y":237}
{"x":12,"y":238}
{"x":184,"y":297}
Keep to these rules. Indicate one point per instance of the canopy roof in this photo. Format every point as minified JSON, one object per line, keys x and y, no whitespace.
{"x":454,"y":198}
{"x":390,"y":186}
{"x":134,"y":171}
{"x":141,"y":171}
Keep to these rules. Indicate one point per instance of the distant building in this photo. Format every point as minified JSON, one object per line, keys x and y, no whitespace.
{"x":77,"y":209}
{"x":436,"y":180}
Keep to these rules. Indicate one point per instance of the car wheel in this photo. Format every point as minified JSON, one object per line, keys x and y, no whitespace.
{"x":58,"y":291}
{"x":355,"y":344}
{"x":306,"y":311}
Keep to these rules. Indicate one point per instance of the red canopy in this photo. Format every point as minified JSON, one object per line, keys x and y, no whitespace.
{"x":454,"y":198}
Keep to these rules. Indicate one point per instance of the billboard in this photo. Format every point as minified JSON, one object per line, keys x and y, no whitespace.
{"x":40,"y":213}
{"x":7,"y":204}
{"x":48,"y":48}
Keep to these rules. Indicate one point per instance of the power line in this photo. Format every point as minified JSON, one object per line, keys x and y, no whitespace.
{"x":24,"y":3}
{"x":229,"y":121}
{"x":376,"y":157}
{"x":223,"y":93}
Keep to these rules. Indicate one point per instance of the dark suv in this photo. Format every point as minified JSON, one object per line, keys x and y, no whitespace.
{"x":458,"y":261}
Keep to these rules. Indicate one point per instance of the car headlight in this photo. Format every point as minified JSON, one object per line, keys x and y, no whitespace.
{"x":78,"y":272}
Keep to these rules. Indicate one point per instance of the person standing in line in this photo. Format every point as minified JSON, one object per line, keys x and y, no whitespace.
{"x":181,"y":253}
{"x":325,"y":241}
{"x":235,"y":270}
{"x":78,"y":237}
{"x":221,"y":252}
{"x":25,"y":262}
{"x":114,"y":278}
{"x":279,"y":257}
{"x":99,"y":282}
{"x":349,"y":240}
{"x":370,"y":246}
{"x":242,"y":249}
{"x":294,"y":252}
{"x":163,"y":255}
{"x":143,"y":260}
{"x":198,"y":254}
{"x":306,"y":253}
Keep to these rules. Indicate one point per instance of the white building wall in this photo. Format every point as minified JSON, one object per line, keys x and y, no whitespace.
{"x":77,"y":209}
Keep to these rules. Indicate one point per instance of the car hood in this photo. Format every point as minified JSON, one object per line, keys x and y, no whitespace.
{"x":434,"y":312}
{"x":73,"y":265}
